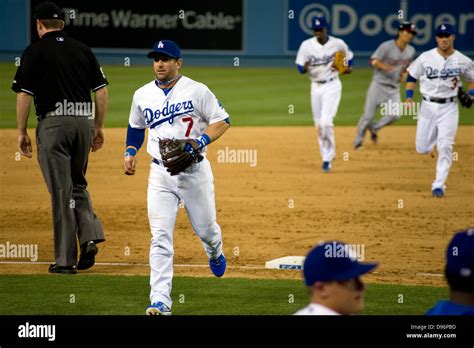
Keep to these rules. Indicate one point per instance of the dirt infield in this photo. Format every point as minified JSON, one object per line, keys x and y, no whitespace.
{"x":379,"y":197}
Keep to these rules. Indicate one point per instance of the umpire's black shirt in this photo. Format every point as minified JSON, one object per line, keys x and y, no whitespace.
{"x":58,"y":68}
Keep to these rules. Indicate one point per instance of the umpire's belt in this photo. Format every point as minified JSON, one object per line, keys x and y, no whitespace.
{"x":54,"y":114}
{"x":439,"y":100}
{"x":325,"y":81}
{"x":160,"y":162}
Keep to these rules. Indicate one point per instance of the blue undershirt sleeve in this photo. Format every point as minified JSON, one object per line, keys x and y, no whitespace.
{"x":135,"y":137}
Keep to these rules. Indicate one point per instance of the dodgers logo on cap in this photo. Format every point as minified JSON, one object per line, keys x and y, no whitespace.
{"x":445,"y":28}
{"x":319,"y":23}
{"x":165,"y":48}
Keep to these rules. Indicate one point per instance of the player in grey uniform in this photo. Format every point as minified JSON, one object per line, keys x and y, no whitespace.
{"x":390,"y":61}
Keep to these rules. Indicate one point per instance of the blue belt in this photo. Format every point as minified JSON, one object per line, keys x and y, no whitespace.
{"x":326,"y":81}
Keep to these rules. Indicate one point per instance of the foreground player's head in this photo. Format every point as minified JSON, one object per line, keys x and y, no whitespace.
{"x":320,"y":30}
{"x":49,"y":17}
{"x":406,"y":32}
{"x":332,"y":273}
{"x":459,"y":269}
{"x":167,"y":60}
{"x":445,"y":37}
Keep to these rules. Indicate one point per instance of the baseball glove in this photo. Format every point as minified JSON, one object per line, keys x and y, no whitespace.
{"x":340,"y":62}
{"x":464,"y":98}
{"x":178,"y":154}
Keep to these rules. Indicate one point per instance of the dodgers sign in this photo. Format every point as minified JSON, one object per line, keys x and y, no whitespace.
{"x":364,"y":24}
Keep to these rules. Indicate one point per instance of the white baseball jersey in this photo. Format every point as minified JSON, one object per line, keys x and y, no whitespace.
{"x":439,"y":77}
{"x":321,"y":57}
{"x":184,"y":113}
{"x":316,"y":309}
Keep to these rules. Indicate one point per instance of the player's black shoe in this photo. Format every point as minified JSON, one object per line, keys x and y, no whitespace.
{"x":88,"y":252}
{"x":373,"y":135}
{"x":54,"y":268}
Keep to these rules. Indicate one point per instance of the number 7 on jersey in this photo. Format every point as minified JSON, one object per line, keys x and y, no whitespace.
{"x":190,"y":126}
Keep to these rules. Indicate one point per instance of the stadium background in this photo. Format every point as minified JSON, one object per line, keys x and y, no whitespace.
{"x":250,"y":66}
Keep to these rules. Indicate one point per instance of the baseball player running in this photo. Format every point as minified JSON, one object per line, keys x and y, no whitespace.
{"x":183,"y":117}
{"x":319,"y":56}
{"x":390,"y":61}
{"x":439,"y":71}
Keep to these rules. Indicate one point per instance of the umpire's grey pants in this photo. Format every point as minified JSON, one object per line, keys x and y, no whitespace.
{"x":63,"y":151}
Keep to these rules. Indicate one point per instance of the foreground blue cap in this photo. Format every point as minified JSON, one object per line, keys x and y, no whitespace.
{"x":445,"y":29}
{"x":319,"y":22}
{"x":460,"y":255}
{"x":333,"y":261}
{"x":165,"y":47}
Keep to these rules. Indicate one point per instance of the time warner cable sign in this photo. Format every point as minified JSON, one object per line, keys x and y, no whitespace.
{"x":364,"y":24}
{"x":198,"y":25}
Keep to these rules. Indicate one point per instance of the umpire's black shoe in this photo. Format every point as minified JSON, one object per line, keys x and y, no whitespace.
{"x":54,"y":268}
{"x":88,"y":252}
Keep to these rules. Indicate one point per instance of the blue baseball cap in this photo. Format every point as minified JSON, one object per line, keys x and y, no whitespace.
{"x":319,"y":23}
{"x":445,"y":29}
{"x":460,"y":255}
{"x":165,"y":48}
{"x":333,"y":261}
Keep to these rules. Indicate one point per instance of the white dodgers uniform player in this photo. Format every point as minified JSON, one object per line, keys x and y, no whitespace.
{"x":439,"y":71}
{"x":176,"y":107}
{"x":316,"y":55}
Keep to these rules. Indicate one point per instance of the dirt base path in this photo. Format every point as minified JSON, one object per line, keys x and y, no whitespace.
{"x":279,"y":204}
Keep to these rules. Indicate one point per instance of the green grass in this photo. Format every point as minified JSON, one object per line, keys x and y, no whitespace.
{"x":252,"y":96}
{"x":128,"y":295}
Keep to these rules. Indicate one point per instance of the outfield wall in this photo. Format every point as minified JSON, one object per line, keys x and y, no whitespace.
{"x":258,"y":32}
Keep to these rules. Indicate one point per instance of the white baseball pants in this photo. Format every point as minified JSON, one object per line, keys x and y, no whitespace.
{"x":437,"y":125}
{"x":195,"y":186}
{"x":325,"y":100}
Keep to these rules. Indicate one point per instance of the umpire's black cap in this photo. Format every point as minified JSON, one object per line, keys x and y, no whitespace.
{"x":48,"y":10}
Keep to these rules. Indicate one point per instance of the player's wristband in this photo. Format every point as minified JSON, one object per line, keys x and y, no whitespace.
{"x":409,"y":93}
{"x":471,"y":92}
{"x":130,"y":152}
{"x":203,"y":140}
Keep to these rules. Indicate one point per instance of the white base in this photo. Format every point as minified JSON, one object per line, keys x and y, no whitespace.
{"x":287,"y":262}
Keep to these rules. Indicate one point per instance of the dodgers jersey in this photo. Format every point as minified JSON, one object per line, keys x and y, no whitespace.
{"x":316,"y":309}
{"x":446,"y":307}
{"x":389,"y":53}
{"x":184,"y":113}
{"x":440,"y":77}
{"x":321,"y":57}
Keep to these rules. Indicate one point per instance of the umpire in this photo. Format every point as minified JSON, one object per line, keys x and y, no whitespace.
{"x":59,"y":73}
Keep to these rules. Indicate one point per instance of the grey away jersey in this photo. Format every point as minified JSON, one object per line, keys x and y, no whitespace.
{"x":389,"y":53}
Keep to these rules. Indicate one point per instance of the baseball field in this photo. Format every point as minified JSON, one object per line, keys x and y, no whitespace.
{"x":272,"y":200}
